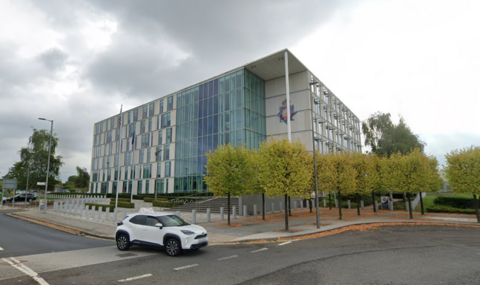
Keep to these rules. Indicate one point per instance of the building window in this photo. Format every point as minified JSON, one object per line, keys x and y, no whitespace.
{"x":145,"y":140}
{"x":166,"y":152}
{"x":167,"y":169}
{"x":161,"y":106}
{"x":140,"y":156}
{"x":148,"y":155}
{"x":150,"y":124}
{"x":169,"y":103}
{"x":159,"y":169}
{"x":166,"y":120}
{"x":169,"y":136}
{"x":131,"y":130}
{"x":139,"y":187}
{"x":144,"y":112}
{"x":160,"y":138}
{"x":151,"y":109}
{"x":158,"y":153}
{"x":135,"y":115}
{"x":147,"y":170}
{"x":142,"y":126}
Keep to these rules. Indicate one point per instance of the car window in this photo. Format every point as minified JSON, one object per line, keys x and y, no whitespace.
{"x":172,"y":221}
{"x":152,"y":221}
{"x":139,"y":220}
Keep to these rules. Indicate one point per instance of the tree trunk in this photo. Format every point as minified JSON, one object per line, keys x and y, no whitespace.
{"x":410,"y":205}
{"x":339,"y":204}
{"x":310,"y":202}
{"x":358,"y":204}
{"x":330,"y":199}
{"x":263,"y":206}
{"x":421,"y":203}
{"x":286,"y":213}
{"x":289,"y":206}
{"x":228,"y":208}
{"x":373,"y":199}
{"x":475,"y":203}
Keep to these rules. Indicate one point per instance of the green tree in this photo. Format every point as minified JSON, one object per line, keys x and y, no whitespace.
{"x":343,"y":175}
{"x":257,"y":186}
{"x":34,"y":159}
{"x":385,"y":138}
{"x":285,"y":169}
{"x":366,"y":178}
{"x":325,"y":174}
{"x":82,"y":180}
{"x":229,"y":172}
{"x":463,"y":172}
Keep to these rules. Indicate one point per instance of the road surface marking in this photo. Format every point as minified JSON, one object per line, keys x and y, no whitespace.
{"x":187,"y":266}
{"x":280,"y":244}
{"x":25,"y":269}
{"x":228,"y":257}
{"x":258,"y":250}
{"x":135,"y":278}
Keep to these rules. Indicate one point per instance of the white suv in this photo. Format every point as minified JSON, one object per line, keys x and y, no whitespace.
{"x":165,"y":230}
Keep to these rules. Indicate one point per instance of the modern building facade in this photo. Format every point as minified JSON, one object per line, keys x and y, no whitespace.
{"x":163,"y":142}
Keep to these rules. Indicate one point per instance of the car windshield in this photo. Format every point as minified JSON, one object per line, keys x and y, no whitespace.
{"x":172,"y":221}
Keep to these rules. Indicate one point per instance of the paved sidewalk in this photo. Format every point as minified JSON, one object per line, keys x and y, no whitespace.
{"x":243,"y":229}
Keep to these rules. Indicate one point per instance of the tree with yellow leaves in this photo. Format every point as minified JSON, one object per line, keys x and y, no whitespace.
{"x":229,"y":172}
{"x":366,"y":177}
{"x":285,"y":168}
{"x":343,"y":175}
{"x":463,"y":172}
{"x":325,"y":175}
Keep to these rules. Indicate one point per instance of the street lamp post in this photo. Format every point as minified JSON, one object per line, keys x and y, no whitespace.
{"x":317,"y":214}
{"x":48,"y":164}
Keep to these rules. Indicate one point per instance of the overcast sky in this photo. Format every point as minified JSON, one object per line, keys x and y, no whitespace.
{"x":76,"y":61}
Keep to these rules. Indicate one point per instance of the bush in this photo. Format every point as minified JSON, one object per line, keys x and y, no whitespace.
{"x":166,"y":204}
{"x":104,"y":207}
{"x":448,"y":209}
{"x":454,"y":202}
{"x":151,"y":199}
{"x":123,"y":203}
{"x":123,"y":200}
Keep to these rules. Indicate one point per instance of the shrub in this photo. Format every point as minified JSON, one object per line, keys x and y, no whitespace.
{"x":104,"y":207}
{"x":151,"y":199}
{"x":454,"y":202}
{"x":448,"y":209}
{"x":166,"y":204}
{"x":124,"y":203}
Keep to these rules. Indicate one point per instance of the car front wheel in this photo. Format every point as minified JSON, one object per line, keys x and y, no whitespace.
{"x":123,"y":242}
{"x":172,"y":247}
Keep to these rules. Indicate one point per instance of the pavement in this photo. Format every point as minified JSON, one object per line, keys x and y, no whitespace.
{"x":252,"y":229}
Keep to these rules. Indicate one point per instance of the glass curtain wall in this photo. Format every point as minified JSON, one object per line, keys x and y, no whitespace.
{"x":227,"y":109}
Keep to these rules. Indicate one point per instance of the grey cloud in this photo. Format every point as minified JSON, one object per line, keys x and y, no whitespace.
{"x":53,"y":58}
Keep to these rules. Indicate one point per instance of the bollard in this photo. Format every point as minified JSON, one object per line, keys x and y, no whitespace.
{"x":324,"y":203}
{"x":75,"y":210}
{"x":177,"y":213}
{"x":92,"y":212}
{"x":375,"y":203}
{"x":349,"y":204}
{"x":124,"y":214}
{"x":301,"y":205}
{"x":294,"y":205}
{"x":208,"y":215}
{"x":194,"y":216}
{"x":254,"y":209}
{"x":85,"y":214}
{"x":115,"y":213}
{"x":244,"y":210}
{"x":336,"y":203}
{"x":273,"y":208}
{"x":55,"y":206}
{"x":234,"y":210}
{"x":221,"y":214}
{"x":391,"y":206}
{"x":362,"y":204}
{"x":107,"y":214}
{"x":100,"y":213}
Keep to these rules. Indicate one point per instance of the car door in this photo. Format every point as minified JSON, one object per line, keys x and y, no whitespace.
{"x":152,"y":233}
{"x":137,"y":226}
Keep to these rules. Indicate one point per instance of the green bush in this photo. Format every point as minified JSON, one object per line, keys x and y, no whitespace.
{"x":151,"y":199}
{"x":104,"y":207}
{"x":448,"y":209}
{"x":122,"y":203}
{"x":454,"y":202}
{"x":123,"y":200}
{"x":166,"y":204}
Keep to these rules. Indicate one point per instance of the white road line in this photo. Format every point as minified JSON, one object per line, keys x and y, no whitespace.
{"x":228,"y":257}
{"x":135,"y":278}
{"x":258,"y":250}
{"x":280,"y":244}
{"x":185,"y":267}
{"x":25,"y":269}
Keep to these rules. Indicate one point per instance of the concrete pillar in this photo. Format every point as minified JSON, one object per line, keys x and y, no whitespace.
{"x":234,"y":210}
{"x":208,"y":215}
{"x":362,"y":204}
{"x":254,"y":209}
{"x":336,"y":203}
{"x":194,"y":216}
{"x":294,"y":205}
{"x":324,"y":203}
{"x":301,"y":204}
{"x":107,"y":214}
{"x":100,"y":213}
{"x":244,"y":210}
{"x":115,"y":214}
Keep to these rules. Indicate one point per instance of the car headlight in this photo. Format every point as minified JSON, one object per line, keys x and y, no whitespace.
{"x":187,"y":232}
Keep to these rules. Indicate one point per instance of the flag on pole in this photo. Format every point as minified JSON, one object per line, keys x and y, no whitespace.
{"x":120,"y":117}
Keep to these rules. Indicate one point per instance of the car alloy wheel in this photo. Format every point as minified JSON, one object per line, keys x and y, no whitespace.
{"x":123,"y":242}
{"x":173,"y":247}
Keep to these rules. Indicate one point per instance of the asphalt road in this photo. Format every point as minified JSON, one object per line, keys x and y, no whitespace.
{"x":389,"y":255}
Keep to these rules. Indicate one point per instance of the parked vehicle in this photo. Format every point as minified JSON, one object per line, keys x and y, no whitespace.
{"x":22,"y":198}
{"x":168,"y":231}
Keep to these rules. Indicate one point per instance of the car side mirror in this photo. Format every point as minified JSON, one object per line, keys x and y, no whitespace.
{"x":159,"y":225}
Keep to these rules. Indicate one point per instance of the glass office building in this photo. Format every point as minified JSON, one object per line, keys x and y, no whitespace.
{"x":162,"y":145}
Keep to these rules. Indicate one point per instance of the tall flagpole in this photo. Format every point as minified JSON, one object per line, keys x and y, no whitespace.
{"x":119,"y":148}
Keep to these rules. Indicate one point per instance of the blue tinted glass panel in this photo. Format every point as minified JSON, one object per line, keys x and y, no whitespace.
{"x":215,"y":124}
{"x":215,"y":105}
{"x":200,"y":92}
{"x":210,"y":89}
{"x":210,"y":125}
{"x":215,"y":87}
{"x":204,"y":126}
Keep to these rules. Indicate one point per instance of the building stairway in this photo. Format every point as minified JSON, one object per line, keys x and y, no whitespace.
{"x":213,"y":203}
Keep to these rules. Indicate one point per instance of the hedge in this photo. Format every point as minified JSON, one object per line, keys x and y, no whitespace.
{"x":123,"y":200}
{"x":104,"y":207}
{"x":150,"y":199}
{"x":122,"y":204}
{"x":454,"y":202}
{"x":165,"y":204}
{"x":447,"y":209}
